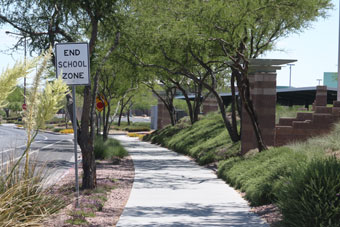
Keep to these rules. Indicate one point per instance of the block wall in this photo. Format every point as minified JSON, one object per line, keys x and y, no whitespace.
{"x":209,"y":105}
{"x":306,"y":125}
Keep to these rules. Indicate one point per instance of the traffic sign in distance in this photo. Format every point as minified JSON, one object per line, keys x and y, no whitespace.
{"x":72,"y":63}
{"x":100,"y":104}
{"x":24,"y":106}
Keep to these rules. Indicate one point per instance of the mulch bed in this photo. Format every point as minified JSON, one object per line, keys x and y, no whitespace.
{"x":99,"y":207}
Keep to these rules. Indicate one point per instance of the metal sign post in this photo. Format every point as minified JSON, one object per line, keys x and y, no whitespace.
{"x":73,"y":66}
{"x":75,"y":142}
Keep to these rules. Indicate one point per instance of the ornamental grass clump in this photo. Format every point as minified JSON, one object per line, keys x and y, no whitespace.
{"x":311,"y":196}
{"x":26,"y":204}
{"x":9,"y":78}
{"x":41,"y":105}
{"x":259,"y":175}
{"x":108,"y":149}
{"x":23,"y":199}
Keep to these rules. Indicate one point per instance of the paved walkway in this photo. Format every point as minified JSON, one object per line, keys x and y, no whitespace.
{"x":171,"y":190}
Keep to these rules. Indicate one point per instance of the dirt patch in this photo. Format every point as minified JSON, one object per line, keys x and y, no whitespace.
{"x":270,"y":213}
{"x":100,"y":207}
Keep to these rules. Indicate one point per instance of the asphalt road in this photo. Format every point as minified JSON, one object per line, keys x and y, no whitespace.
{"x":53,"y":152}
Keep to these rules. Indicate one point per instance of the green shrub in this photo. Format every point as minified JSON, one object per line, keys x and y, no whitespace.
{"x":56,"y":120}
{"x":118,"y":151}
{"x":109,"y":149}
{"x":259,"y":175}
{"x":57,"y":129}
{"x":99,"y":147}
{"x":137,"y":129}
{"x":133,"y":127}
{"x":288,"y":111}
{"x":310,"y":197}
{"x":49,"y":126}
{"x":316,"y":147}
{"x":207,"y":140}
{"x":163,"y":136}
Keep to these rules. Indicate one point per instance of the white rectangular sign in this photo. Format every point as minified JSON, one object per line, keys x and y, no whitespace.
{"x":72,"y":63}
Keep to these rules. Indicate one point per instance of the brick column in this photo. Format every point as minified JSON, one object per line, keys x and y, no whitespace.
{"x":263,"y":96}
{"x":321,"y":96}
{"x":209,"y":105}
{"x":163,"y":117}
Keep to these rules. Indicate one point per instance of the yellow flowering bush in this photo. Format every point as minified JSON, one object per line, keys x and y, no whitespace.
{"x":133,"y":134}
{"x":66,"y":131}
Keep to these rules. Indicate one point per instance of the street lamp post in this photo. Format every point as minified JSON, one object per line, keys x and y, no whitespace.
{"x":290,"y":74}
{"x":25,"y":56}
{"x":319,"y":80}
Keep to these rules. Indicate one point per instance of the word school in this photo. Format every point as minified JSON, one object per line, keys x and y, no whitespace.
{"x":72,"y":64}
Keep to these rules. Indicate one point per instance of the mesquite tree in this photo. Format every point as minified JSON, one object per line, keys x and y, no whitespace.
{"x":46,"y":22}
{"x":230,"y":33}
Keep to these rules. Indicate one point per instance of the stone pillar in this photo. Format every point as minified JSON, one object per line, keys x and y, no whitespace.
{"x":209,"y":105}
{"x":263,"y":96}
{"x":321,"y":96}
{"x":163,"y":117}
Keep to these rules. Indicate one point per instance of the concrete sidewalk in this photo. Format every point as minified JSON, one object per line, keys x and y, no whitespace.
{"x":171,"y":190}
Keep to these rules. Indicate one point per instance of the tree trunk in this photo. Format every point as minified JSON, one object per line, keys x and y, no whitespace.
{"x":106,"y":122}
{"x":128,"y":116}
{"x":172,"y":114}
{"x":197,"y":111}
{"x":187,"y":100}
{"x":234,"y":136}
{"x":105,"y":131}
{"x":120,"y":114}
{"x":66,"y":120}
{"x":98,"y":124}
{"x":198,"y":102}
{"x":86,"y":143}
{"x":167,"y":101}
{"x":233,"y":103}
{"x":7,"y":112}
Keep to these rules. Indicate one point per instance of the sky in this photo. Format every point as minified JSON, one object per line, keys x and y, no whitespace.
{"x":315,"y":49}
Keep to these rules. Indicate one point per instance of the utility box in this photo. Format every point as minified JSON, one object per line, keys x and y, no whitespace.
{"x":154,"y":117}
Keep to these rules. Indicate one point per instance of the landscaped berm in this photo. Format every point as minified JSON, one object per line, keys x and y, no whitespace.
{"x":301,"y":180}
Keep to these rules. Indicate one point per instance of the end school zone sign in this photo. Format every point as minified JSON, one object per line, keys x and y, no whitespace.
{"x":72,"y":63}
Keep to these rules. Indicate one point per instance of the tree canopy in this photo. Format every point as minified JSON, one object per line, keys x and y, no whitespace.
{"x":212,"y":35}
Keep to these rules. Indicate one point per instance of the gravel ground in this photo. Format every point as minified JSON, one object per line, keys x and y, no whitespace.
{"x":270,"y":213}
{"x":118,"y":177}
